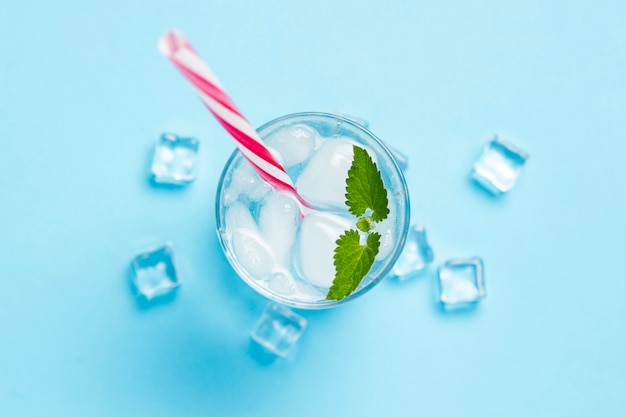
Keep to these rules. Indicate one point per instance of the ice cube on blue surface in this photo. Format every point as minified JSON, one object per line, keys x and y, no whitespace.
{"x":461,"y":282}
{"x":174,"y":159}
{"x":154,"y":272}
{"x":499,"y":166}
{"x":416,"y":255}
{"x":278,"y":329}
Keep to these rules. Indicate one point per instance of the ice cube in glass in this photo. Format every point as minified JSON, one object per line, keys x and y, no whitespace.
{"x":416,"y":255}
{"x":461,"y":282}
{"x":322,"y":181}
{"x":174,"y":159}
{"x":499,"y":166}
{"x":278,"y":329}
{"x":294,"y":143}
{"x":154,"y":272}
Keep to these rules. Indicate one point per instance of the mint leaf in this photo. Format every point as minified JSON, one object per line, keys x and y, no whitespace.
{"x":366,"y":198}
{"x":352,"y":262}
{"x":364,"y":187}
{"x":365,"y":224}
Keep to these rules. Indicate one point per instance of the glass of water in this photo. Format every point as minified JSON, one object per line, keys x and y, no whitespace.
{"x":282,"y":254}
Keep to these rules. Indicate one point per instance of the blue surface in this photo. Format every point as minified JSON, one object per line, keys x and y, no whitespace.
{"x":84,"y":95}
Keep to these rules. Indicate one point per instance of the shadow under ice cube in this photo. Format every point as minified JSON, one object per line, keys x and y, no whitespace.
{"x":154,"y":272}
{"x":416,"y":255}
{"x":174,"y":159}
{"x":278,"y":329}
{"x":461,"y":282}
{"x":499,"y":166}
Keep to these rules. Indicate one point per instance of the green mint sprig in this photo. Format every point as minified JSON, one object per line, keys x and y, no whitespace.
{"x":366,"y":198}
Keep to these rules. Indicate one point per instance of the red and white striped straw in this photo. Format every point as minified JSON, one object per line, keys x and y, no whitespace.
{"x":175,"y":47}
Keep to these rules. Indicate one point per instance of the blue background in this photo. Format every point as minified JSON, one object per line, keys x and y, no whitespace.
{"x":84,"y":95}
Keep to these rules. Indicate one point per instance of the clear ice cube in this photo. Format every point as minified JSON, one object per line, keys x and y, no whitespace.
{"x":238,"y":216}
{"x":253,"y":253}
{"x":248,"y":244}
{"x":319,"y":232}
{"x":416,"y":255}
{"x":245,"y":184}
{"x":174,"y":159}
{"x":281,"y":282}
{"x":294,"y":143}
{"x":323,"y":180}
{"x":154,"y":272}
{"x":499,"y":166}
{"x":278,"y":221}
{"x":461,"y":282}
{"x":278,"y":329}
